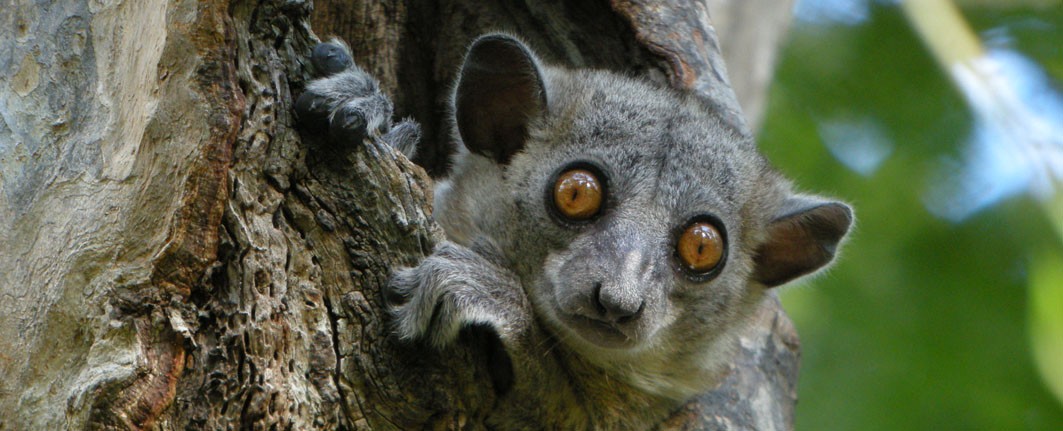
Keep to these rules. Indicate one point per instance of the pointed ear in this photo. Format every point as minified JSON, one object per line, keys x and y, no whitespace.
{"x":499,"y":92}
{"x":802,"y":238}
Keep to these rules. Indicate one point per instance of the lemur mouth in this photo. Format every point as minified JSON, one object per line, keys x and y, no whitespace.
{"x":598,"y":332}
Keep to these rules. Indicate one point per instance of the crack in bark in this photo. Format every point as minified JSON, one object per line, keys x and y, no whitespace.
{"x":334,"y":325}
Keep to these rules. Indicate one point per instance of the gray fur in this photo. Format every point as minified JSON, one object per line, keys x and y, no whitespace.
{"x":351,"y":103}
{"x":540,"y":283}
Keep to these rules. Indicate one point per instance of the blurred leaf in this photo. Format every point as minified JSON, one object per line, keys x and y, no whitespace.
{"x":1046,"y":317}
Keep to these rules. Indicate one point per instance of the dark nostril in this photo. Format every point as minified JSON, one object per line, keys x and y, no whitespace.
{"x":598,"y":299}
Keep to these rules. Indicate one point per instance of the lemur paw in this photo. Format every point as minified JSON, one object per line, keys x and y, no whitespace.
{"x":346,"y":102}
{"x":450,"y":289}
{"x":423,"y":304}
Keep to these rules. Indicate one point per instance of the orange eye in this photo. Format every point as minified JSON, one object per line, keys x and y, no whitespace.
{"x":578,"y":194}
{"x":700,"y":247}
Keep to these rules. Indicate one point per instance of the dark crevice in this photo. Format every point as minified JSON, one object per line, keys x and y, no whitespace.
{"x":334,"y":327}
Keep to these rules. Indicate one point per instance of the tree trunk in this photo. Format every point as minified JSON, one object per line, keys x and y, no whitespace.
{"x":174,"y":255}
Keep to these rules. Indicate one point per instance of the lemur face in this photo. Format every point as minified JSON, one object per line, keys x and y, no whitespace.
{"x":633,"y":266}
{"x":636,"y":200}
{"x":636,"y":220}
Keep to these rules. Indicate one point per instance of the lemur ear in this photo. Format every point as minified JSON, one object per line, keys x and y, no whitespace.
{"x":499,"y":92}
{"x":802,"y":238}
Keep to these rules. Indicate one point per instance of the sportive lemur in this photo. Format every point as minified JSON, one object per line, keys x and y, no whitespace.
{"x":614,"y":233}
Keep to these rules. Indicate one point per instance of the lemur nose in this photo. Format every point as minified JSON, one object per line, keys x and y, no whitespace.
{"x":615,"y":307}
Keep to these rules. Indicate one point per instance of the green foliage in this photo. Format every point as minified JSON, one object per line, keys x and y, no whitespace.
{"x":1046,"y":317}
{"x":922,"y":323}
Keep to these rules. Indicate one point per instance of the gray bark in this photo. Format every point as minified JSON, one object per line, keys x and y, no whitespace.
{"x":174,"y":255}
{"x":751,"y":33}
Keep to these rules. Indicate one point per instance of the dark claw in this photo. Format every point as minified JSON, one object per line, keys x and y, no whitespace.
{"x":312,"y":111}
{"x":348,"y":125}
{"x":330,"y":59}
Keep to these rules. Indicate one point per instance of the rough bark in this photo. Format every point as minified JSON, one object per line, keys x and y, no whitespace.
{"x":174,"y":255}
